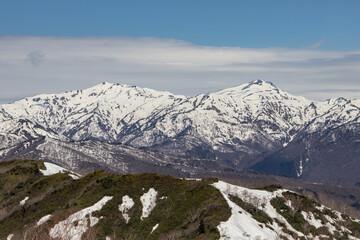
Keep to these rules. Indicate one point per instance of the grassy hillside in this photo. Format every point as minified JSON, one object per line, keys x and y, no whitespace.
{"x":184,"y":209}
{"x":110,"y":206}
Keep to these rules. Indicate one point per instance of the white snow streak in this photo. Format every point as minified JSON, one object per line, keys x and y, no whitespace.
{"x":53,"y":169}
{"x":22,"y":202}
{"x":67,"y":230}
{"x":154,"y":228}
{"x":44,"y":219}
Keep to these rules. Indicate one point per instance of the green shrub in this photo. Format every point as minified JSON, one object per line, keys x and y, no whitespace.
{"x":271,"y":188}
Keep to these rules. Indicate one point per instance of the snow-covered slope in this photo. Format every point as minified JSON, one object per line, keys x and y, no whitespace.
{"x":51,"y":169}
{"x":259,"y":214}
{"x":235,"y":126}
{"x":325,"y":150}
{"x":252,"y":113}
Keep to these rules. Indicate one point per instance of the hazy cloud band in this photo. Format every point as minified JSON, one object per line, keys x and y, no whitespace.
{"x":31,"y":65}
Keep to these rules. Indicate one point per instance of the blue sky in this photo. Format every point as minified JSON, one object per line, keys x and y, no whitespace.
{"x":248,"y":24}
{"x":308,"y":48}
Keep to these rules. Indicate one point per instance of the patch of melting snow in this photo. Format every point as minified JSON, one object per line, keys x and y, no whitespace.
{"x":154,"y":228}
{"x":330,"y":227}
{"x":44,"y":219}
{"x":192,"y":179}
{"x":320,"y":208}
{"x":53,"y":169}
{"x":73,"y":176}
{"x":67,"y":229}
{"x":241,"y":225}
{"x":148,"y":201}
{"x":310,"y":218}
{"x":125,"y":206}
{"x":329,"y":219}
{"x":288,"y":203}
{"x":22,"y":202}
{"x":301,"y":169}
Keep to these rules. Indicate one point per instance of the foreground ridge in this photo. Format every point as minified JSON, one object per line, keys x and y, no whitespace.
{"x":101,"y":205}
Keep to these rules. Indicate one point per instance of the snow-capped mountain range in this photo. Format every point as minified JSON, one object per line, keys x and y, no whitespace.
{"x":239,"y":126}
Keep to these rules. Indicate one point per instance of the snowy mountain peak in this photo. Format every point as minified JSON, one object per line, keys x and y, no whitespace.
{"x":248,"y":119}
{"x":334,"y":101}
{"x":259,"y":90}
{"x":260,"y":85}
{"x":261,"y":82}
{"x":118,"y":88}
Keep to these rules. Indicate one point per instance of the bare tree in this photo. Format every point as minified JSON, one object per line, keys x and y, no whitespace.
{"x":193,"y":214}
{"x":90,"y":234}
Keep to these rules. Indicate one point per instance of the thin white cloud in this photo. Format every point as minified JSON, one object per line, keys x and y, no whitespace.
{"x":317,"y":44}
{"x":168,"y":64}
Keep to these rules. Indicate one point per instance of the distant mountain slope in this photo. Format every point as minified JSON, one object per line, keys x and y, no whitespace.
{"x":238,"y":127}
{"x":92,"y":155}
{"x":35,"y":205}
{"x":326,"y":150}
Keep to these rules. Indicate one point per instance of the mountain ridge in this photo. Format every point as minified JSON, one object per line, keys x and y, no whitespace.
{"x":234,"y":126}
{"x":43,"y":200}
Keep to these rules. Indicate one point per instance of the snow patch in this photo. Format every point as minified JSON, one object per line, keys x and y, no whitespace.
{"x":154,"y":228}
{"x":125,"y":206}
{"x":310,"y":218}
{"x":67,"y":229}
{"x":148,"y":201}
{"x":301,"y":169}
{"x":241,"y":226}
{"x":54,"y":169}
{"x":242,"y":222}
{"x":288,"y":203}
{"x":22,"y":202}
{"x":44,"y":219}
{"x":192,"y":179}
{"x":330,"y":227}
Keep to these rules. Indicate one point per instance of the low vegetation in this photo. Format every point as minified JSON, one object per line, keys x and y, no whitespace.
{"x":184,"y":209}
